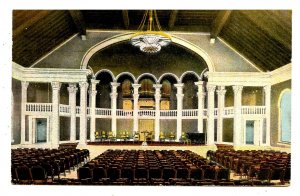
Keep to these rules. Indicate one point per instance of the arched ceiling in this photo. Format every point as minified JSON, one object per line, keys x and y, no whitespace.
{"x":262,"y":36}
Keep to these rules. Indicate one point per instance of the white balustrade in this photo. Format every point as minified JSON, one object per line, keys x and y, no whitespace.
{"x":124,"y":113}
{"x":77,"y":109}
{"x":256,"y":110}
{"x":146,"y":113}
{"x":168,"y":113}
{"x":38,"y":107}
{"x":216,"y":112}
{"x":64,"y":109}
{"x":190,"y":113}
{"x":204,"y":112}
{"x":103,"y":111}
{"x":88,"y":110}
{"x":228,"y":111}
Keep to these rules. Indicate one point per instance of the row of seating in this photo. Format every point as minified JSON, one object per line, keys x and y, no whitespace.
{"x":131,"y":166}
{"x":264,"y":165}
{"x":37,"y":165}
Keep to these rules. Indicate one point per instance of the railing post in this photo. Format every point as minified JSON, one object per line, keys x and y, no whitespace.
{"x":23,"y":109}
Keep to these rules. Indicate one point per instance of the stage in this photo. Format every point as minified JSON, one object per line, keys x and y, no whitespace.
{"x":140,"y":143}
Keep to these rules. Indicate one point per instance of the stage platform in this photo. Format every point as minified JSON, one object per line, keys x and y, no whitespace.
{"x":140,"y":143}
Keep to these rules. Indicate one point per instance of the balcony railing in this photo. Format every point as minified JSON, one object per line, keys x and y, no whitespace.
{"x":38,"y":107}
{"x":120,"y":113}
{"x":253,"y":110}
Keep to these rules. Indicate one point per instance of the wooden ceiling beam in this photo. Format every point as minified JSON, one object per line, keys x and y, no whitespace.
{"x":40,"y":15}
{"x":219,"y":23}
{"x":78,"y":21}
{"x":125,"y":18}
{"x":279,"y":33}
{"x":172,"y":20}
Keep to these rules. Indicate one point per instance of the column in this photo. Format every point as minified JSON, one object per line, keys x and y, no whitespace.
{"x":237,"y":127}
{"x":93,"y":93}
{"x":221,"y":103}
{"x":23,"y":110}
{"x":135,"y":107}
{"x":267,"y":91}
{"x":179,"y":96}
{"x":199,"y":84}
{"x":72,"y":103}
{"x":210,"y":114}
{"x":113,"y":96}
{"x":83,"y":117}
{"x":157,"y":110}
{"x":54,"y":136}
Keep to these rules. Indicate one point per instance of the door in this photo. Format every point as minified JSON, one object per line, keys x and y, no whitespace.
{"x":41,"y":130}
{"x":249,"y":132}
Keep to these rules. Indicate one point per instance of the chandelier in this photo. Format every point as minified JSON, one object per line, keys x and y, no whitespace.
{"x":150,"y":39}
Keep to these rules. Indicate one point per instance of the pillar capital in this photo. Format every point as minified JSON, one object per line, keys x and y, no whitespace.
{"x":211,"y":88}
{"x":114,"y":84}
{"x":237,"y":89}
{"x":56,"y":85}
{"x":221,"y":91}
{"x":267,"y":88}
{"x":72,"y":88}
{"x":83,"y":84}
{"x":179,"y":85}
{"x":199,"y":83}
{"x":157,"y":86}
{"x":93,"y":81}
{"x":24,"y":84}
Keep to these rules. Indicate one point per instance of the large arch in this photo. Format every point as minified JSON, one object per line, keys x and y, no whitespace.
{"x":123,"y":37}
{"x":284,"y":100}
{"x":107,"y":71}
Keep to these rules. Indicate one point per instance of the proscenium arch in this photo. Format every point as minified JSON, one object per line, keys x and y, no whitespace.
{"x":123,"y":37}
{"x":107,"y":71}
{"x":168,"y":74}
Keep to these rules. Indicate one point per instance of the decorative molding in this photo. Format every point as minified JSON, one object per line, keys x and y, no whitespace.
{"x":72,"y":88}
{"x":237,"y":89}
{"x":281,"y":74}
{"x":56,"y":85}
{"x":44,"y":75}
{"x":239,"y":78}
{"x":211,"y":88}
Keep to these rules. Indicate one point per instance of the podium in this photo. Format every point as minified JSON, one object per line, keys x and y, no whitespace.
{"x":145,"y":142}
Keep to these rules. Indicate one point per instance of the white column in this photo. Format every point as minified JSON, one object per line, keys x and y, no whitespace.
{"x":83,"y":117}
{"x":72,"y":103}
{"x":157,"y":110}
{"x":23,"y":109}
{"x":237,"y":128}
{"x":93,"y":93}
{"x":113,"y":96}
{"x":210,"y":114}
{"x":267,"y":91}
{"x":221,"y":102}
{"x":199,"y":84}
{"x":179,"y":96}
{"x":135,"y":107}
{"x":55,"y":114}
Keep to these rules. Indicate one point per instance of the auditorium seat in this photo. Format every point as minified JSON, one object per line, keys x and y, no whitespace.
{"x":84,"y":173}
{"x":168,"y":173}
{"x":113,"y":173}
{"x":38,"y":174}
{"x":23,"y":175}
{"x":127,"y":172}
{"x":98,"y":173}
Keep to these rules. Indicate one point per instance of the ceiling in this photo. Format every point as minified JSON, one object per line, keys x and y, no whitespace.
{"x":262,"y":36}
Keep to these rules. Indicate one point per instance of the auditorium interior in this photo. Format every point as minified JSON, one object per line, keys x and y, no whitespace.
{"x":151,"y":98}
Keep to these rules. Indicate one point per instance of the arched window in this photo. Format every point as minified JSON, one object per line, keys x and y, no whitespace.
{"x":285,"y":116}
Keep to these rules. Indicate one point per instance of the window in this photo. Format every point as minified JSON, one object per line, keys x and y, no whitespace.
{"x":285,"y":116}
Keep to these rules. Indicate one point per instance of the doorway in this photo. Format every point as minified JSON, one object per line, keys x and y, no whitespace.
{"x":41,"y":130}
{"x":250,"y":132}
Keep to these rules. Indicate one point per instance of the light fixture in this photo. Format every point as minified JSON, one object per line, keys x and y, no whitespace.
{"x":151,"y":39}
